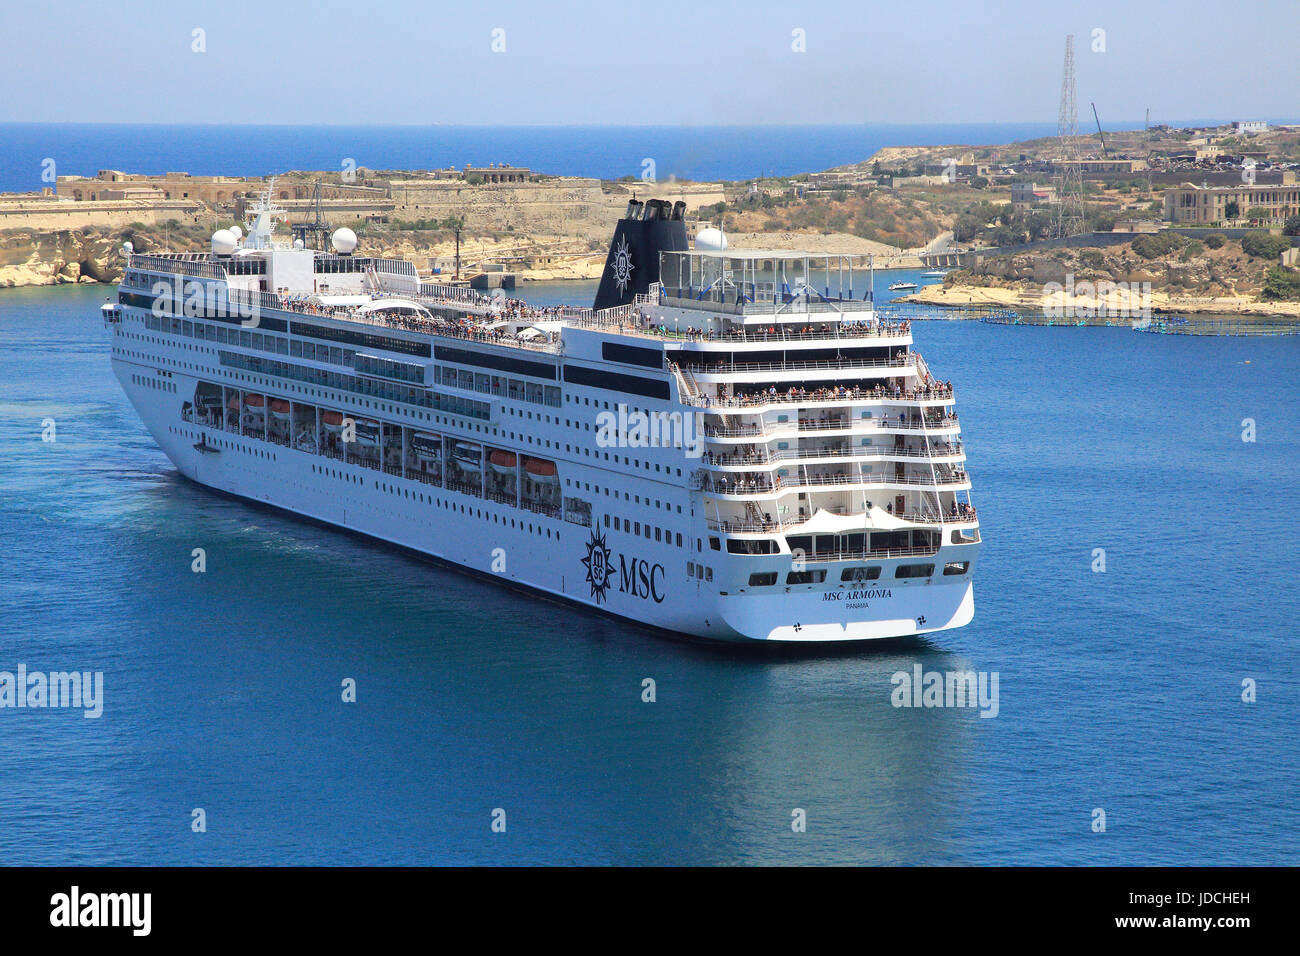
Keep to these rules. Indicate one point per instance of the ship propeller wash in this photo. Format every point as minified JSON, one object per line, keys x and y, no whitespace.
{"x":731,"y":445}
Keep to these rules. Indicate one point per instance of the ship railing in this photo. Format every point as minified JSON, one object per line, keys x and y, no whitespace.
{"x":766,"y":305}
{"x":624,"y":322}
{"x":734,"y":368}
{"x":965,"y":518}
{"x":420,"y":326}
{"x":538,"y":507}
{"x":414,"y":474}
{"x":851,"y":451}
{"x":771,"y":484}
{"x":866,"y":554}
{"x":186,"y":264}
{"x":816,"y":396}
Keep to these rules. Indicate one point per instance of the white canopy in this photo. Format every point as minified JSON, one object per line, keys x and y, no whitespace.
{"x":339,"y":301}
{"x":385,"y":305}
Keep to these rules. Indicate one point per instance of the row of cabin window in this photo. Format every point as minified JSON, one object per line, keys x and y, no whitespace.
{"x":856,"y":575}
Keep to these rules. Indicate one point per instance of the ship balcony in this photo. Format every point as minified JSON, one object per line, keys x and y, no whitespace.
{"x":760,"y":398}
{"x":834,"y":426}
{"x":750,"y":458}
{"x":760,"y":372}
{"x":847,"y":334}
{"x":752,"y":485}
{"x":961,"y":522}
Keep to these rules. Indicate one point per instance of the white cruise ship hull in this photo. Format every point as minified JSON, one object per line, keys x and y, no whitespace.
{"x":647,"y":582}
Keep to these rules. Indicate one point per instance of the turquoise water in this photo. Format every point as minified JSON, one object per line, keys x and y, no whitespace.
{"x":1118,"y":690}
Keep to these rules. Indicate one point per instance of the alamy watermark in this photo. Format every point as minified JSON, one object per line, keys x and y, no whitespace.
{"x":192,"y":299}
{"x":622,"y":428}
{"x":38,"y":689}
{"x":1087,"y":300}
{"x":919,"y":688}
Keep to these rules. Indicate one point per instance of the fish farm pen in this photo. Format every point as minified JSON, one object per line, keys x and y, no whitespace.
{"x":1161,"y":325}
{"x":1218,"y":325}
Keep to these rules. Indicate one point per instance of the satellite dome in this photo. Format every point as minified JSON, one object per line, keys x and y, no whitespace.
{"x":238,"y":233}
{"x":128,"y":248}
{"x":710,"y":239}
{"x":223,"y":242}
{"x":343,"y":240}
{"x":298,"y":244}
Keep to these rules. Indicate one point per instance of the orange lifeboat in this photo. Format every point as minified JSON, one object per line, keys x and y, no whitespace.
{"x":333,"y":421}
{"x":279,"y":409}
{"x":542,"y":471}
{"x":503,"y":462}
{"x":255,"y":405}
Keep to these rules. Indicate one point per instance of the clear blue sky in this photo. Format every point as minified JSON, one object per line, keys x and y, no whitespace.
{"x":668,"y":62}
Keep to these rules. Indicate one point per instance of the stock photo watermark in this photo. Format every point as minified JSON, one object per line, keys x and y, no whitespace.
{"x":35,"y":690}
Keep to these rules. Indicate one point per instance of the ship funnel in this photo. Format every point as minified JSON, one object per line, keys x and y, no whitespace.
{"x":632,"y":265}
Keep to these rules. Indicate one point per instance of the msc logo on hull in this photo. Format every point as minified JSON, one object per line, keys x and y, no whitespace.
{"x":634,"y":576}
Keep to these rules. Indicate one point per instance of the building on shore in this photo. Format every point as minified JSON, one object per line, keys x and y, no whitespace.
{"x":115,"y":184}
{"x":1100,"y":167}
{"x":1208,"y":205}
{"x":1026,"y":194}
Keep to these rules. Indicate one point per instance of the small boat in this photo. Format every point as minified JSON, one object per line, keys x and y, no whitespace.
{"x":541,"y":471}
{"x":935,"y":273}
{"x":255,"y":404}
{"x":367,"y":432}
{"x":467,"y":456}
{"x":903,"y":287}
{"x":279,"y":409}
{"x":426,"y":448}
{"x":333,"y":421}
{"x":503,"y":462}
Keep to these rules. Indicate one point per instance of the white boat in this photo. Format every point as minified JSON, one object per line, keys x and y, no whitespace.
{"x":615,"y":510}
{"x":935,"y":273}
{"x":426,"y":448}
{"x":468,"y":456}
{"x":367,"y":432}
{"x":902,"y":286}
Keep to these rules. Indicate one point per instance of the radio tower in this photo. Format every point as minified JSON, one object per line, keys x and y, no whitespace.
{"x":1069,"y":182}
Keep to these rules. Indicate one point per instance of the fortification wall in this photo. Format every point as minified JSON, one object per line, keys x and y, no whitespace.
{"x":54,"y":215}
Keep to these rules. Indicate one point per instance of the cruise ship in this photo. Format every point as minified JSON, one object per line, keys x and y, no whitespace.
{"x":729,"y":444}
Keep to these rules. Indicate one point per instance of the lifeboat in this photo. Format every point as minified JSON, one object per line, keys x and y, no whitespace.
{"x":333,"y":421}
{"x":503,"y":462}
{"x":367,"y":432}
{"x":466,"y":455}
{"x":255,"y":404}
{"x":541,"y":471}
{"x":426,"y":447}
{"x":280,"y":409}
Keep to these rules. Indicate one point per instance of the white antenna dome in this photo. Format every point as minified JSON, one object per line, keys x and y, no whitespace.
{"x":343,"y":240}
{"x":238,"y":233}
{"x":710,"y":239}
{"x":223,"y":242}
{"x":128,"y":248}
{"x":298,"y":244}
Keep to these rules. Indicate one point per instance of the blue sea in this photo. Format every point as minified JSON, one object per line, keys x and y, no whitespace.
{"x":609,"y":152}
{"x":1119,"y":691}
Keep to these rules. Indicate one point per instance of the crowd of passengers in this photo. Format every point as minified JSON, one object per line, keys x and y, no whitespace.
{"x":465,"y":328}
{"x":797,"y":393}
{"x":779,"y":332}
